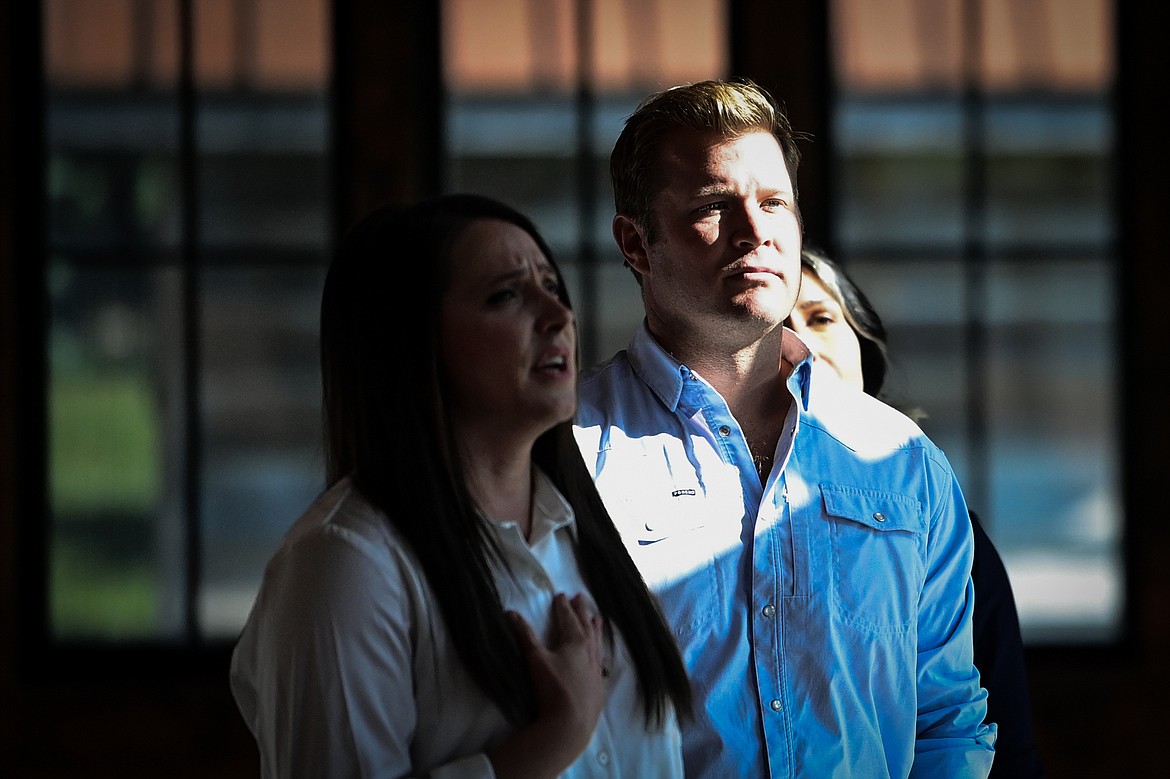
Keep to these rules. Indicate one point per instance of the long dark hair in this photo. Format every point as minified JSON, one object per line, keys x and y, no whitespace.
{"x":386,"y":418}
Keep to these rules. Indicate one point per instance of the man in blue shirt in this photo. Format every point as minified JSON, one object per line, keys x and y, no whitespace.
{"x":810,"y":545}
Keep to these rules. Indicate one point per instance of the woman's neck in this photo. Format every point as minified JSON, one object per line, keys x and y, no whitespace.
{"x":500,"y":482}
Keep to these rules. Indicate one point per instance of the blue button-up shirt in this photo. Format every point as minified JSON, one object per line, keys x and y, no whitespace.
{"x":824,"y":615}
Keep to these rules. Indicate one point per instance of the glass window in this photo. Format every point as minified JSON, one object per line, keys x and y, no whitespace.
{"x":536,"y":96}
{"x":187,"y":233}
{"x":974,"y":143}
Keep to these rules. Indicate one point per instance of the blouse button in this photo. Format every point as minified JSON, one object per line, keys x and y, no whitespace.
{"x":603,"y":758}
{"x":776,"y":706}
{"x":769,"y":611}
{"x":724,"y":431}
{"x":879,"y":516}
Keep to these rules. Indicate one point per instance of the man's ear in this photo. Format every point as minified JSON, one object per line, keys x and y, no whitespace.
{"x":631,"y":240}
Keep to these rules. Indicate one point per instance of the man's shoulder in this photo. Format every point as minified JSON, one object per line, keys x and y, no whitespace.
{"x":604,"y":385}
{"x":615,"y":404}
{"x":854,"y":444}
{"x":857,"y":420}
{"x":615,"y":367}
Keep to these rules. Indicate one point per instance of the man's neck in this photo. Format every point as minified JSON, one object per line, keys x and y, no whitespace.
{"x":740,"y":370}
{"x":752,"y":378}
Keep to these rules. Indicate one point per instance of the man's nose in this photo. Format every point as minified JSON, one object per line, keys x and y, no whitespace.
{"x":750,"y":231}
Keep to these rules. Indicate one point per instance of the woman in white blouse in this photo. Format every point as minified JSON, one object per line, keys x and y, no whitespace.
{"x":457,"y":602}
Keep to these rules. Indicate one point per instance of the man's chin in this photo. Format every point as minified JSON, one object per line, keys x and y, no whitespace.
{"x":767,"y":311}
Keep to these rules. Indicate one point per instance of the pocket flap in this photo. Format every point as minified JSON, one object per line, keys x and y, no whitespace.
{"x":875,"y":509}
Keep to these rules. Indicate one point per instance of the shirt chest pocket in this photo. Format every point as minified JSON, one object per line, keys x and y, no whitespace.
{"x":680,"y":524}
{"x":878,"y":547}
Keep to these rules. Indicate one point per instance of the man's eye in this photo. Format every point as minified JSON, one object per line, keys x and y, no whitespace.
{"x":553,"y":286}
{"x":710,"y":208}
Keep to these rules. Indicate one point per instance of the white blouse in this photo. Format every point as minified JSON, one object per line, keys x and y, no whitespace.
{"x":345,"y":667}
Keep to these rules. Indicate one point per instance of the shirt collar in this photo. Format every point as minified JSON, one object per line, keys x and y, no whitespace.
{"x":797,"y":354}
{"x":666,"y":376}
{"x":550,"y":510}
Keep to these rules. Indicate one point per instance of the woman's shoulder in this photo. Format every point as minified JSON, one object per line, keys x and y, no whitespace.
{"x":342,"y":509}
{"x":341,"y":534}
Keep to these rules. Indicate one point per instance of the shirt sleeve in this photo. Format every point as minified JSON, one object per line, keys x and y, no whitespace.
{"x":326,"y":661}
{"x":952,"y":738}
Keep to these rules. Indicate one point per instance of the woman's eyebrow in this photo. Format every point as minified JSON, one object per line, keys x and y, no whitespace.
{"x":522,"y":270}
{"x":815,"y":302}
{"x":508,"y":275}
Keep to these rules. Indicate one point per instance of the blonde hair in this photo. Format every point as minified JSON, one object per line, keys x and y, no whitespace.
{"x":727,"y":108}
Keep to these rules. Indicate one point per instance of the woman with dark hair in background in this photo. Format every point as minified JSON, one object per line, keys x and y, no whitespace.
{"x":843,"y":331}
{"x":457,"y":601}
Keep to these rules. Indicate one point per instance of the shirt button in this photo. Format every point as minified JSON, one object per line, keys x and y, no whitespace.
{"x":724,"y":431}
{"x":769,"y":611}
{"x":603,"y":758}
{"x":776,"y":705}
{"x":879,"y":516}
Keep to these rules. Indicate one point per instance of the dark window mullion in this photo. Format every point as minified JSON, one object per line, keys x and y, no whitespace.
{"x":30,"y":339}
{"x":585,"y":110}
{"x":974,"y":255}
{"x":188,"y":239}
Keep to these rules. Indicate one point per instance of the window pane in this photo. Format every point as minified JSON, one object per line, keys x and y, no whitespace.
{"x":115,"y":485}
{"x":901,"y":172}
{"x":1052,"y":445}
{"x":262,"y":240}
{"x":531,"y":122}
{"x":158,"y":318}
{"x":975,"y":189}
{"x":114,"y":340}
{"x":261,"y":404}
{"x":1048,"y":172}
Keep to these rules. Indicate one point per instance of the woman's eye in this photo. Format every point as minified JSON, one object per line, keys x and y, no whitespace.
{"x":819,"y":318}
{"x":502,"y":295}
{"x":553,"y":286}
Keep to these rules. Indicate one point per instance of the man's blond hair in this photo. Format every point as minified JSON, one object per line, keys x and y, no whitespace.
{"x":727,"y":108}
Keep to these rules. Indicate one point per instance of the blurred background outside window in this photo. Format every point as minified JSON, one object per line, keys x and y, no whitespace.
{"x":974,"y":150}
{"x":972,"y":157}
{"x":189,"y":224}
{"x":536,"y":95}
